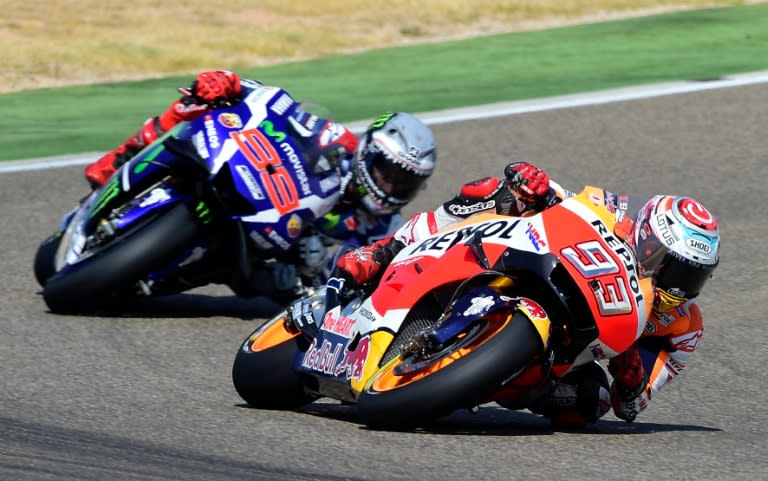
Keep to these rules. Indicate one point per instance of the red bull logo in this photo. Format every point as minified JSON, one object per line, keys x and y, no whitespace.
{"x":327,"y":358}
{"x":532,"y":308}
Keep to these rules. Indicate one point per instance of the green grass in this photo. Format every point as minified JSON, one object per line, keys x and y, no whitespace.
{"x":699,"y":44}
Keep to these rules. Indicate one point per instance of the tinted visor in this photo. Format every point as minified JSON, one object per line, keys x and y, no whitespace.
{"x":649,"y":249}
{"x":391,"y":179}
{"x":681,"y":277}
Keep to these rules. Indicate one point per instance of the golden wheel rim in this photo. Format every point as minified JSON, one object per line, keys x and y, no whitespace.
{"x":386,"y":379}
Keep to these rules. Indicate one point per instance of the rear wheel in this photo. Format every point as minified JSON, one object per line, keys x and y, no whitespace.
{"x":262,"y":372}
{"x":411,"y":390}
{"x":123,"y":261}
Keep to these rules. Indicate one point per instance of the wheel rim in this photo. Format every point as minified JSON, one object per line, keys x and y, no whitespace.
{"x":386,"y":379}
{"x":271,"y":335}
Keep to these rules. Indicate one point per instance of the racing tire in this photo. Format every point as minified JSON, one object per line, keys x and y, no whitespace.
{"x":123,"y":261}
{"x":45,"y":257}
{"x":262,"y":372}
{"x":466,"y":377}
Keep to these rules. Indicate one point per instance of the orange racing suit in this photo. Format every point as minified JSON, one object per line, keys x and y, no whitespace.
{"x":665,"y":345}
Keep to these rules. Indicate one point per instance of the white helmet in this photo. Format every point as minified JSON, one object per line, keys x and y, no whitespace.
{"x":677,"y":242}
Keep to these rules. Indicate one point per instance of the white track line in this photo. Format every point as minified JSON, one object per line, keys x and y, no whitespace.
{"x":479,"y":112}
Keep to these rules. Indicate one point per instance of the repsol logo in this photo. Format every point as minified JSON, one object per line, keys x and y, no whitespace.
{"x":625,"y":255}
{"x":501,"y":229}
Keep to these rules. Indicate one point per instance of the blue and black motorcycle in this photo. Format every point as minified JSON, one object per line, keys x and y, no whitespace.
{"x":211,"y":201}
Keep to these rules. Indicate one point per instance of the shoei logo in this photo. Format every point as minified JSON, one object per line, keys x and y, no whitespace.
{"x":700,"y":246}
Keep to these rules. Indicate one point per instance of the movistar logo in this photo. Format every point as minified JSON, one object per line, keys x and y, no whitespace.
{"x":269,"y":129}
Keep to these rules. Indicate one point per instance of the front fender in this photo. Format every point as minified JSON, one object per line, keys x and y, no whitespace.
{"x":81,"y":226}
{"x":478,"y":303}
{"x":152,"y":201}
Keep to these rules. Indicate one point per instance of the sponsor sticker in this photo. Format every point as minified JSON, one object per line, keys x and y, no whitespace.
{"x":294,"y":225}
{"x":230,"y":120}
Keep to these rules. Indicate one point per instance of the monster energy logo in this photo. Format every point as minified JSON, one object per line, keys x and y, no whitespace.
{"x":379,"y":122}
{"x":111,"y":190}
{"x":331,"y":220}
{"x":203,"y":212}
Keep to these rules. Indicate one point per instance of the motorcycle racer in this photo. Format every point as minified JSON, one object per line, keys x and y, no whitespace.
{"x":379,"y":174}
{"x":675,"y":240}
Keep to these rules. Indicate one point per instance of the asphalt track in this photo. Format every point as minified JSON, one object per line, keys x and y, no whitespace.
{"x":148,"y":396}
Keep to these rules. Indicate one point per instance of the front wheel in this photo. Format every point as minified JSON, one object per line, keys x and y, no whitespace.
{"x":407,"y":392}
{"x":127,"y":258}
{"x":45,"y":257}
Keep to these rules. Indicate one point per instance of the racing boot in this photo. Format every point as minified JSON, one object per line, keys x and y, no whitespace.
{"x":580,"y":398}
{"x":98,"y":172}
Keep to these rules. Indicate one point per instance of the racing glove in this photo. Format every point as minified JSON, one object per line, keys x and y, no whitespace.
{"x":528,"y":182}
{"x":361,"y":266}
{"x":214,"y":87}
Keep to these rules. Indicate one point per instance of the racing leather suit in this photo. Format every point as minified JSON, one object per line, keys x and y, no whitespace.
{"x":582,"y":396}
{"x":348,"y":221}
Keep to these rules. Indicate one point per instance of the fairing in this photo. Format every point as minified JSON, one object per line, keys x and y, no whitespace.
{"x":241,"y":164}
{"x":601,"y":297}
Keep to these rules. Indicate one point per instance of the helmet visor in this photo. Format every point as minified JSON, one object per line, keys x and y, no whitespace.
{"x":649,"y":249}
{"x":681,"y":277}
{"x":392,"y":181}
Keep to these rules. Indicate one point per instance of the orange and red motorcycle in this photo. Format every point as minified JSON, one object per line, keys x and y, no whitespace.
{"x":484,"y":310}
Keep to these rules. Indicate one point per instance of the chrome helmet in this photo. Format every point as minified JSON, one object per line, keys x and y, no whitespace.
{"x":396,"y":156}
